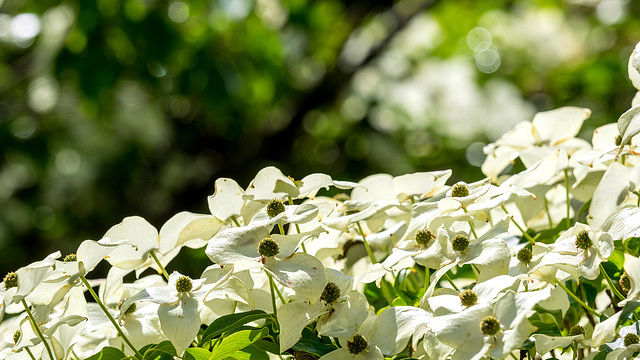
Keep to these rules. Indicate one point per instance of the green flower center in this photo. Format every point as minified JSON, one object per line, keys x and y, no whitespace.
{"x":183,"y":284}
{"x":274,"y":208}
{"x":10,"y":280}
{"x":618,"y":140}
{"x":490,"y":325}
{"x":424,"y":236}
{"x":582,"y":240}
{"x":268,"y":247}
{"x":468,"y":297}
{"x":625,"y":282}
{"x":330,"y":293}
{"x":460,"y":242}
{"x":524,"y":255}
{"x":16,"y":336}
{"x":357,"y":345}
{"x":576,"y":330}
{"x":70,"y":258}
{"x":341,"y":197}
{"x":460,"y":190}
{"x":631,"y":339}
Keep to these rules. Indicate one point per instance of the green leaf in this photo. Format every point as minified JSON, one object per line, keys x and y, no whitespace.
{"x":249,"y":353}
{"x":108,"y":353}
{"x":196,"y":354}
{"x":583,"y":209}
{"x":545,"y":327}
{"x":231,"y":323}
{"x":162,"y":351}
{"x":632,"y":246}
{"x":556,"y":315}
{"x":311,"y":344}
{"x":267,"y":345}
{"x":237,"y":341}
{"x":627,"y":310}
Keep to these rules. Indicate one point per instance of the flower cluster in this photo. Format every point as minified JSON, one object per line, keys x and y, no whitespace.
{"x":515,"y":265}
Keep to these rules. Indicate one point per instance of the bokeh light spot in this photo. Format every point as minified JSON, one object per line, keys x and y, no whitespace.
{"x":178,"y":11}
{"x":488,"y":61}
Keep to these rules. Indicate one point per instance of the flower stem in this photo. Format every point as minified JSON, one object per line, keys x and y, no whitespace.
{"x":524,"y":233}
{"x":281,"y":229}
{"x":566,"y":185}
{"x":113,"y":321}
{"x":273,"y":296}
{"x":577,"y":299}
{"x":36,"y":328}
{"x":446,"y":276}
{"x":155,"y":258}
{"x":546,"y":209}
{"x":427,"y":278}
{"x":473,"y":230}
{"x":235,"y":221}
{"x":384,"y":285}
{"x":30,"y":353}
{"x":611,"y":285}
{"x":366,"y":244}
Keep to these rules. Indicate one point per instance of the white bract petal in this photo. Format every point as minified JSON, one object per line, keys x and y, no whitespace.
{"x":605,"y":331}
{"x":311,"y":184}
{"x":395,"y":325}
{"x":180,"y":322}
{"x":610,"y":193}
{"x":629,"y":126}
{"x":545,"y":343}
{"x":632,"y":268}
{"x":227,"y":199}
{"x":236,"y":244}
{"x":623,"y":223}
{"x":184,"y":227}
{"x":293,"y":317}
{"x":634,"y":67}
{"x":270,"y":183}
{"x":138,"y":232}
{"x":347,"y":316}
{"x":301,"y":272}
{"x":555,"y":126}
{"x":461,"y":331}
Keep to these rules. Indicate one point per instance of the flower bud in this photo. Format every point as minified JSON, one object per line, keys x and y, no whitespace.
{"x":10,"y":280}
{"x":274,"y":208}
{"x":424,"y":236}
{"x":460,"y":242}
{"x":576,"y":330}
{"x":357,"y":345}
{"x":183,"y":284}
{"x":490,"y":325}
{"x":70,"y":258}
{"x":582,"y":240}
{"x":16,"y":336}
{"x":268,"y":247}
{"x":631,"y":339}
{"x":460,"y":190}
{"x":625,"y":282}
{"x":524,"y":255}
{"x":330,"y":293}
{"x":618,"y":140}
{"x":468,"y":297}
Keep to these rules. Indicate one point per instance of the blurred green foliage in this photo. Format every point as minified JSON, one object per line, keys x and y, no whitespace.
{"x":112,"y":108}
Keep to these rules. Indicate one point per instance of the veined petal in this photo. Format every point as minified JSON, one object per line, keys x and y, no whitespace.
{"x":270,"y":183}
{"x":293,"y":317}
{"x":395,"y":325}
{"x":180,"y":322}
{"x":236,"y":244}
{"x":226,"y":200}
{"x":301,"y":272}
{"x":346,"y":317}
{"x":138,"y":232}
{"x":611,"y":192}
{"x":186,"y":226}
